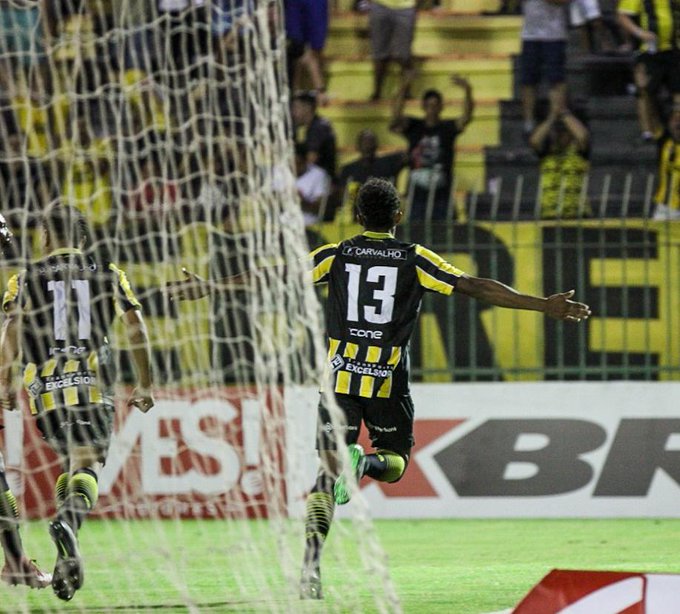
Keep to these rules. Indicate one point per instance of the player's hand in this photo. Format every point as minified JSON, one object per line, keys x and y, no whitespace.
{"x":8,"y":398}
{"x":191,"y":288}
{"x":142,"y":399}
{"x":559,"y":306}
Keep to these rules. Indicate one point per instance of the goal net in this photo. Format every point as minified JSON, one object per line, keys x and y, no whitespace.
{"x":166,"y":122}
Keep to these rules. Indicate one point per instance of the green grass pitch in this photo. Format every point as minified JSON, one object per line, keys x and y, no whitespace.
{"x":437,"y":566}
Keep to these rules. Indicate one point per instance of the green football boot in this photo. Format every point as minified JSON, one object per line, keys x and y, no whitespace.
{"x":357,"y":461}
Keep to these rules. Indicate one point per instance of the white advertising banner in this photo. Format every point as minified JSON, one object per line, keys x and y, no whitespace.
{"x":578,"y":449}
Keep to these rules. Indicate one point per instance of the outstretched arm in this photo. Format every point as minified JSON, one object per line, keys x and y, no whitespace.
{"x":557,"y":306}
{"x":138,"y":339}
{"x":9,"y":352}
{"x":194,"y":287}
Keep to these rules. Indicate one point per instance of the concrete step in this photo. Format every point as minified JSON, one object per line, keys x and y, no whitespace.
{"x":349,"y":119}
{"x":437,"y":33}
{"x":490,"y":76}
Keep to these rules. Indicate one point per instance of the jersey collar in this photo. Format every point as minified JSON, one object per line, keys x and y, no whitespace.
{"x":378,"y":235}
{"x":60,"y":251}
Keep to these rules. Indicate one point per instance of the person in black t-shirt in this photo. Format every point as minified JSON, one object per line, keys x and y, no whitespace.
{"x":431,"y":142}
{"x":315,"y":132}
{"x":376,"y":284}
{"x":355,"y":173}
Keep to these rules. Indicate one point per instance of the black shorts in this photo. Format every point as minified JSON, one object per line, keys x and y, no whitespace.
{"x":389,"y":422}
{"x":543,"y":60}
{"x":64,"y":428}
{"x":663,"y":68}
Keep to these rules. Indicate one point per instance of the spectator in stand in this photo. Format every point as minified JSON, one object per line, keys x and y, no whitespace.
{"x":313,"y":185}
{"x":586,"y":14}
{"x":667,"y":197}
{"x":562,"y":142}
{"x":306,"y":23}
{"x":368,"y":164}
{"x":543,"y":56}
{"x":391,"y":24}
{"x":314,"y":131}
{"x":659,"y":62}
{"x":85,"y":161}
{"x":431,"y":143}
{"x":183,"y":37}
{"x":155,"y":195}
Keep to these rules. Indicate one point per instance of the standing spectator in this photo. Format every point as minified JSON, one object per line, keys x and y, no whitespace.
{"x":659,"y":62}
{"x":562,"y":142}
{"x":368,"y":164}
{"x":543,"y":55}
{"x":431,"y":142}
{"x":184,"y":37}
{"x":306,"y":23}
{"x":391,"y":24}
{"x":314,"y":131}
{"x":313,"y":185}
{"x":667,"y":197}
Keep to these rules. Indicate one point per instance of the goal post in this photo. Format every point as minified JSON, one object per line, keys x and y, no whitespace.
{"x":167,"y":124}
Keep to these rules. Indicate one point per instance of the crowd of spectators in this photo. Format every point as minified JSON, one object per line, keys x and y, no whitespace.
{"x":136,"y":113}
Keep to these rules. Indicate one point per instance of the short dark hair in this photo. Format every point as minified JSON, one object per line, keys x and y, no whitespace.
{"x":377,"y":202}
{"x":66,"y":224}
{"x":307,"y":97}
{"x":432,"y":94}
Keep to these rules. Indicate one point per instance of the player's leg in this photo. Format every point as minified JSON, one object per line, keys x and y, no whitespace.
{"x":84,"y":437}
{"x":320,"y":504}
{"x":390,"y":427}
{"x":18,"y":568}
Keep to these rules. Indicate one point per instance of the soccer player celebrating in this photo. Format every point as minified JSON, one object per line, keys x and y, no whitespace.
{"x":18,"y":568}
{"x":59,"y":311}
{"x":376,"y":284}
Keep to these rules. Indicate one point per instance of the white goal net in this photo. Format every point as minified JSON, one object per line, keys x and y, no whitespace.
{"x":166,"y":123}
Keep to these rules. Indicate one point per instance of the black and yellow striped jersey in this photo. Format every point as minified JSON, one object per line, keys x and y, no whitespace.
{"x":375,"y":287}
{"x":66,"y":304}
{"x":662,"y":17}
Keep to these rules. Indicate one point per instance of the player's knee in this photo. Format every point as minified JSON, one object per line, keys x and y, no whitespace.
{"x":395,"y":466}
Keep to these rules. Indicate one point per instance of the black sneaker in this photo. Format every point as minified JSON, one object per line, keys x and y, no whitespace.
{"x":68,"y":570}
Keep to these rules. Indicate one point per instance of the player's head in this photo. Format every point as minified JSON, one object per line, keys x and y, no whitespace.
{"x":64,"y":226}
{"x":378,"y":205}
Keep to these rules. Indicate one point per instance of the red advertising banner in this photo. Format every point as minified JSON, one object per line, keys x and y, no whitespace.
{"x":601,"y":592}
{"x":210,"y":453}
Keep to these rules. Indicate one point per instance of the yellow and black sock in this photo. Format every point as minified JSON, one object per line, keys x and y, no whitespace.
{"x":385,"y":466}
{"x":10,"y":540}
{"x":61,"y":489}
{"x":81,"y":496}
{"x":318,"y":518}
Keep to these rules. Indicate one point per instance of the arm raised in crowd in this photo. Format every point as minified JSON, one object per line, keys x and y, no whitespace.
{"x":557,"y":306}
{"x":468,"y":101}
